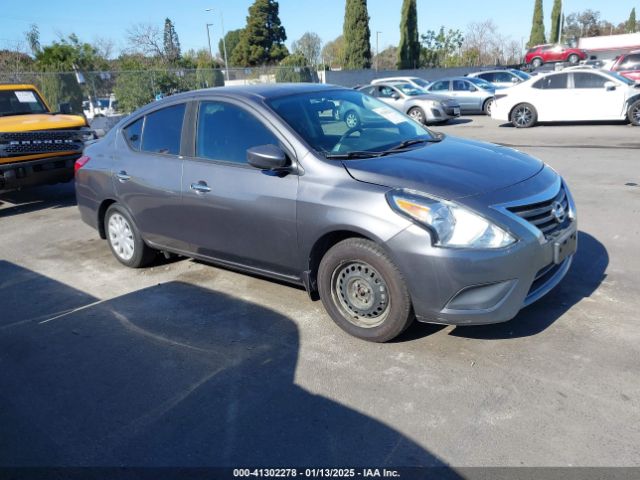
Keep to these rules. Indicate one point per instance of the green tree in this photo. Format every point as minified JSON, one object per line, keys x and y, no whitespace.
{"x":208,"y":73}
{"x":409,"y":48}
{"x":441,"y":49}
{"x":135,"y":85}
{"x":294,"y":69}
{"x":537,"y":27}
{"x":262,"y":40}
{"x":171,"y":42}
{"x":333,"y":52}
{"x":356,"y":33}
{"x":33,"y":38}
{"x":555,"y":21}
{"x":231,"y":39}
{"x":632,"y":24}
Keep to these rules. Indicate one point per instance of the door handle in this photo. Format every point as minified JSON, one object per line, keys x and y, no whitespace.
{"x":122,"y":176}
{"x":200,"y":187}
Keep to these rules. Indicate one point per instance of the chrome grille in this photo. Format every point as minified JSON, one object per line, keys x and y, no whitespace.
{"x":26,"y":143}
{"x":541,"y":214}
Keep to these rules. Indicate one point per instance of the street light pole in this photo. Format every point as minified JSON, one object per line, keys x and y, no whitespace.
{"x":209,"y":40}
{"x":224,"y":43}
{"x":377,"y":49}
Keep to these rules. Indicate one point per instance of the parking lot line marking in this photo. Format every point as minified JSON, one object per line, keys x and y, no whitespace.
{"x":74,"y":310}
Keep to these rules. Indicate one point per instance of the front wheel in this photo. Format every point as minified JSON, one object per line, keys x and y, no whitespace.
{"x":524,"y":115}
{"x":633,"y":114}
{"x":418,"y":115}
{"x":363,"y":291}
{"x":124,"y":238}
{"x":574,"y":59}
{"x":352,"y":119}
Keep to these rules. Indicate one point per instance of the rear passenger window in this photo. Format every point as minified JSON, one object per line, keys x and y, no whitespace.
{"x":552,"y":82}
{"x":133,"y":134}
{"x":163,"y":129}
{"x":226,"y":132}
{"x":489,"y":77}
{"x":439,"y":86}
{"x":588,"y":80}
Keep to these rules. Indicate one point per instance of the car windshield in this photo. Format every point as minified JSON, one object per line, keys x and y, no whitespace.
{"x":522,"y":75}
{"x":410,"y":90}
{"x":481,"y":83}
{"x":20,"y":102}
{"x":347,"y":123}
{"x":422,"y":83}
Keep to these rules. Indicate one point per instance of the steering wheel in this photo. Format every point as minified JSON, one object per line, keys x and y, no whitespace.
{"x":347,"y":134}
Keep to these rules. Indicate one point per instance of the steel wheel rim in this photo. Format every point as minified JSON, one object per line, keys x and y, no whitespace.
{"x":351,"y":120}
{"x":121,"y":237}
{"x":417,"y":115}
{"x":361,"y":294}
{"x":523,"y":116}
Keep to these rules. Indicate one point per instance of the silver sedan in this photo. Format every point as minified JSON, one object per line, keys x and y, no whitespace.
{"x":424,"y":107}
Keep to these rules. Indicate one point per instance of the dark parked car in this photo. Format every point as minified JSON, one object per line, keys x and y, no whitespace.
{"x":550,"y":53}
{"x":386,"y":221}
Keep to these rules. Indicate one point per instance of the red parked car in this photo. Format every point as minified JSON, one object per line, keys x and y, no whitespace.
{"x":550,"y":53}
{"x":628,"y":65}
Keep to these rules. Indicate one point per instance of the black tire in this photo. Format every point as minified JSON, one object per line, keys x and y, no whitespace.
{"x":486,"y":106}
{"x":352,"y":119}
{"x":418,"y":115}
{"x":633,"y":113}
{"x":536,"y":62}
{"x":523,"y":115}
{"x":573,"y":59}
{"x":124,"y":239}
{"x":378,"y":308}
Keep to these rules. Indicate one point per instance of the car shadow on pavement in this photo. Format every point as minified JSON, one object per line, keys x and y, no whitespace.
{"x":37,"y":198}
{"x":171,"y":375}
{"x":452,"y":122}
{"x":572,"y":124}
{"x":586,"y":274}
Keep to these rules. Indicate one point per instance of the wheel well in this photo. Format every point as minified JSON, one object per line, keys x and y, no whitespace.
{"x":632,"y":100}
{"x":101,"y":213}
{"x":521,"y":103}
{"x":322,"y":246}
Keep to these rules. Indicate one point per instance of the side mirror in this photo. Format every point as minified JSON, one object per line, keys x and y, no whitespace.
{"x":609,"y":86}
{"x":515,"y":80}
{"x":473,"y":89}
{"x":395,"y":96}
{"x":64,"y":108}
{"x":267,"y":157}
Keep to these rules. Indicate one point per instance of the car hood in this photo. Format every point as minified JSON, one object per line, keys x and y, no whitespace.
{"x":40,"y":121}
{"x":450,"y":169}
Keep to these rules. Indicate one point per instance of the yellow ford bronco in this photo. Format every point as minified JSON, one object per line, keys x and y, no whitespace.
{"x":37,"y":146}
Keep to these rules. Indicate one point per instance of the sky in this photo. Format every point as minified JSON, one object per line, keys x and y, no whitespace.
{"x":111,"y":18}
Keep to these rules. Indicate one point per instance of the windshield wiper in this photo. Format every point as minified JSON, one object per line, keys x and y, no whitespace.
{"x":415,"y":141}
{"x":352,"y":155}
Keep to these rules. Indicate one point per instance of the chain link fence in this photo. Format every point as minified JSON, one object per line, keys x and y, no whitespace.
{"x":120,"y":92}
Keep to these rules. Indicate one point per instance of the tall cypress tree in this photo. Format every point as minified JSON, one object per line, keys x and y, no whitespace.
{"x":171,"y":42}
{"x":357,"y":49}
{"x":262,"y":40}
{"x":632,"y":23}
{"x":555,"y":21}
{"x":537,"y":27}
{"x":409,"y":48}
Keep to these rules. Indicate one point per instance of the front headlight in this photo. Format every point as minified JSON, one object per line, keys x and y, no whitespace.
{"x":452,"y":225}
{"x":437,"y":104}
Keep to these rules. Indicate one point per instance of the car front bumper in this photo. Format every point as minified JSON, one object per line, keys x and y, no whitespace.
{"x":44,"y":171}
{"x":475,"y":287}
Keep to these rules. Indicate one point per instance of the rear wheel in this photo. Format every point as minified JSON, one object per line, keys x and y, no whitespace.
{"x":487,"y":105}
{"x":573,"y":58}
{"x":124,"y":238}
{"x":418,"y":115}
{"x":524,"y":115}
{"x":363,"y":291}
{"x":634,"y":113}
{"x":536,"y":62}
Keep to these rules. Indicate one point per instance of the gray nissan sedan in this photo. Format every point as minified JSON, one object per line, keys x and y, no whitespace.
{"x":385,"y":222}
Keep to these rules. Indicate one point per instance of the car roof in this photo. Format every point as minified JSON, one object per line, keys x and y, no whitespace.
{"x":258,"y":92}
{"x":17,"y":86}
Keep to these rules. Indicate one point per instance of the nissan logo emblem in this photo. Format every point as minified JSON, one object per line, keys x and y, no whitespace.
{"x":558,"y":212}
